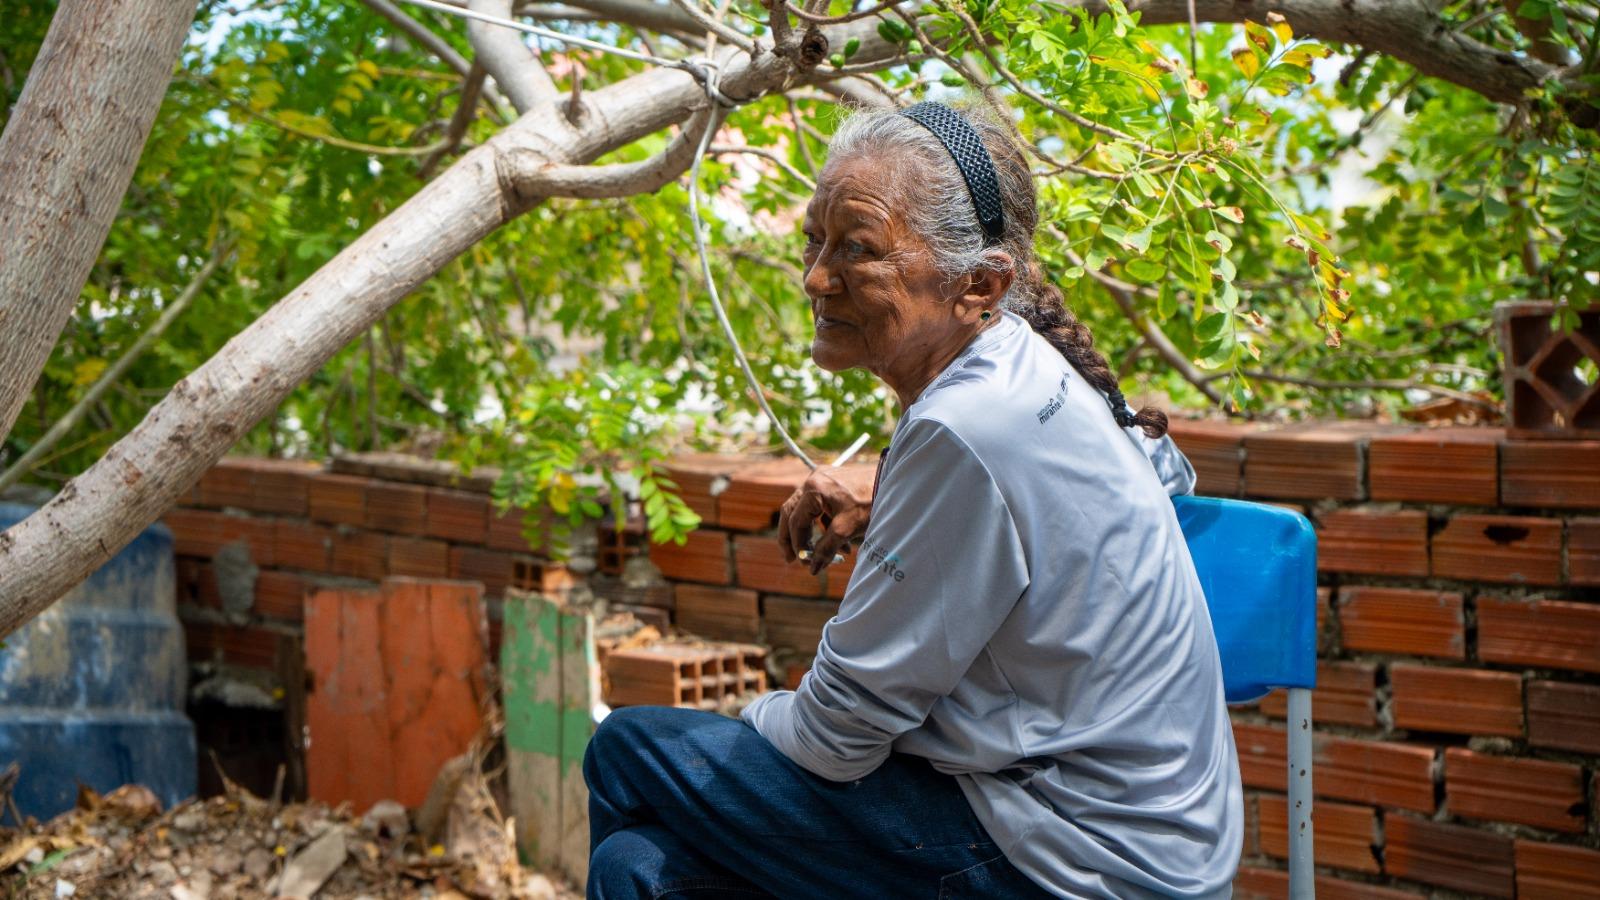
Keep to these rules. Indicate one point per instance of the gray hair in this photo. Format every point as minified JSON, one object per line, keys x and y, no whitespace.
{"x":936,"y":204}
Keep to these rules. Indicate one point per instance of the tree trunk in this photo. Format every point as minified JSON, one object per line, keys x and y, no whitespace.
{"x":69,"y":152}
{"x":139,"y":478}
{"x":97,"y":513}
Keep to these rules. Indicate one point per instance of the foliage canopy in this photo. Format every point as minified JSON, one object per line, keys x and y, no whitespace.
{"x":1244,"y":218}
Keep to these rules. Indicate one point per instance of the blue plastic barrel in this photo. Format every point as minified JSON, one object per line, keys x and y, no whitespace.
{"x":92,"y":691}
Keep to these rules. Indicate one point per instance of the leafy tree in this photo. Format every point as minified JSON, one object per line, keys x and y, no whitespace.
{"x":315,"y":161}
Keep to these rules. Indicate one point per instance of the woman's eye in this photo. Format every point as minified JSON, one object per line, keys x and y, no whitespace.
{"x":855,"y":248}
{"x":812,"y":240}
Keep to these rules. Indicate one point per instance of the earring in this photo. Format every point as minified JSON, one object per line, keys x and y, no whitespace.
{"x":984,"y":315}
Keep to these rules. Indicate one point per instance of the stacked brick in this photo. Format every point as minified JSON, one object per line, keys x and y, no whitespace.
{"x":730,"y":581}
{"x":1458,"y":707}
{"x":256,"y":535}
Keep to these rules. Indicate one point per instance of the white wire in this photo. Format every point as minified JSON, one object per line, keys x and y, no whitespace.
{"x":707,"y":73}
{"x":711,"y":287}
{"x":549,"y":33}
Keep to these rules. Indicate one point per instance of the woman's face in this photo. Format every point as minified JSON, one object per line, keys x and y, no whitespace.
{"x":876,"y":299}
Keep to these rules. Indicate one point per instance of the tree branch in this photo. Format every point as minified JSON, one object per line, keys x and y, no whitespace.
{"x":1322,"y":384}
{"x":466,"y":110}
{"x":420,"y":33}
{"x":764,"y":153}
{"x":1408,"y":30}
{"x":535,"y":178}
{"x":639,"y":14}
{"x":515,"y":67}
{"x":1152,"y":333}
{"x":430,"y":41}
{"x":706,"y":23}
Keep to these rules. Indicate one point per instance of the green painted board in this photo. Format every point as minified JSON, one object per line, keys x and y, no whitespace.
{"x":550,"y":685}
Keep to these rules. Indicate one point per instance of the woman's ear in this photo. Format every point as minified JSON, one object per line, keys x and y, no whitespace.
{"x":984,"y":290}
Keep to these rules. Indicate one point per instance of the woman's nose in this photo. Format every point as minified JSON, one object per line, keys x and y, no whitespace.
{"x":819,"y":279}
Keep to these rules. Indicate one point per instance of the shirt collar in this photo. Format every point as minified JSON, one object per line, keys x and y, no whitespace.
{"x":983,"y":341}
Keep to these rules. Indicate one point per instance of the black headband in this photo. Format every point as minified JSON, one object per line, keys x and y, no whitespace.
{"x":967,"y":149}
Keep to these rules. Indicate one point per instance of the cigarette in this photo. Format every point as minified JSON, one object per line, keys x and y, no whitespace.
{"x":805,"y":555}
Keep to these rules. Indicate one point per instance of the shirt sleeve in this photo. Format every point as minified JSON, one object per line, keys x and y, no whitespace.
{"x":1172,"y":467}
{"x":941,"y":568}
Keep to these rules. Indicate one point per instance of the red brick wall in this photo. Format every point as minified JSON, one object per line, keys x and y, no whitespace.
{"x":1459,"y":702}
{"x":302,"y":525}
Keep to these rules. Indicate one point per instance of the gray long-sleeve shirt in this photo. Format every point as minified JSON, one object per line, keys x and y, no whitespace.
{"x":1024,"y":613}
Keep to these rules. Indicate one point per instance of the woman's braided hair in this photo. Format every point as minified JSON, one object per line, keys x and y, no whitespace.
{"x":937,"y":206}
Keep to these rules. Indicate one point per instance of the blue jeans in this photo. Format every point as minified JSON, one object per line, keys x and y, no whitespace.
{"x":688,"y":804}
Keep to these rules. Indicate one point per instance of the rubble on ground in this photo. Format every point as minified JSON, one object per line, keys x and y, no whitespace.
{"x":239,"y":846}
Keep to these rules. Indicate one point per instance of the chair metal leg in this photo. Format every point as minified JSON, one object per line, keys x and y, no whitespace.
{"x":1302,"y":885}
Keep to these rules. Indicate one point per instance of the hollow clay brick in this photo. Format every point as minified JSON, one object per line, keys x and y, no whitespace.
{"x":1346,"y":835}
{"x":1557,"y":872}
{"x":1373,"y":542}
{"x":1402,"y":620}
{"x":1564,"y":716}
{"x":1533,"y":792}
{"x":338,"y":499}
{"x":703,"y":558}
{"x":1501,"y":549}
{"x":720,"y":613}
{"x":1451,"y":856}
{"x":1555,"y":633}
{"x":461,"y":517}
{"x":1459,"y":701}
{"x":1437,"y":465}
{"x":1216,"y":449}
{"x":760,"y":565}
{"x":397,"y":508}
{"x":1550,"y":473}
{"x":1346,"y":694}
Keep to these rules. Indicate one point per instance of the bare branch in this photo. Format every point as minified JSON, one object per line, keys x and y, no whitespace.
{"x":466,"y":109}
{"x":862,"y":90}
{"x":1322,"y":384}
{"x":515,"y":67}
{"x":706,"y":22}
{"x":69,"y":150}
{"x":1408,"y":30}
{"x":780,"y":162}
{"x":430,"y":41}
{"x":867,"y":13}
{"x":638,"y":13}
{"x":533,"y":178}
{"x":422,"y":34}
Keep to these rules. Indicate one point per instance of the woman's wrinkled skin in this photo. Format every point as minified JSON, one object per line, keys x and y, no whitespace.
{"x":878,"y":303}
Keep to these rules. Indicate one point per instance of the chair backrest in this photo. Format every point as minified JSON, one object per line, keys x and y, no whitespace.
{"x":1258,"y":567}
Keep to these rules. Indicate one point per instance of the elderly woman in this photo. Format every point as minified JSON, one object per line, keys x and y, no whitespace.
{"x":1020,"y":695}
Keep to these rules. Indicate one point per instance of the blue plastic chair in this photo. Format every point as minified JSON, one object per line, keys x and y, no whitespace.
{"x":1258,"y":567}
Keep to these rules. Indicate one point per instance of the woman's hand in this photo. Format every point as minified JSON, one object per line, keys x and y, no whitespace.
{"x":825,"y":498}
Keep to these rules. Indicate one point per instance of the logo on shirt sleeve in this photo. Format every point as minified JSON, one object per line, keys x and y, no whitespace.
{"x":1055,"y":403}
{"x":881,"y":559}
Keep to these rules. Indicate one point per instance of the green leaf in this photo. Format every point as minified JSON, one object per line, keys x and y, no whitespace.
{"x":1144,"y":270}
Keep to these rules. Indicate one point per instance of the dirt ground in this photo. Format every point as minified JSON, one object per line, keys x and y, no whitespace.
{"x":240,"y":846}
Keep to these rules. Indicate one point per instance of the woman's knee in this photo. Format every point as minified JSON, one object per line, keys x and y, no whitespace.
{"x":624,"y":865}
{"x":621,"y":736}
